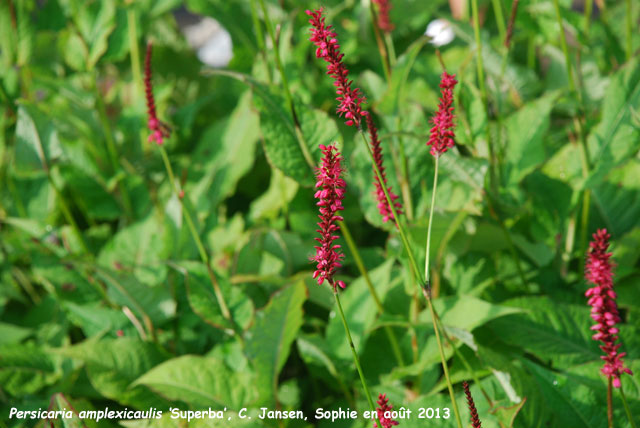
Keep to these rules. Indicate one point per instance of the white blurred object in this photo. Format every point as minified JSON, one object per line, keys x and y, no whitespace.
{"x":440,"y":32}
{"x":212,"y":42}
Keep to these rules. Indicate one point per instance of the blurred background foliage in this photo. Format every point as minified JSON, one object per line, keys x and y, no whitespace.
{"x":103,"y":299}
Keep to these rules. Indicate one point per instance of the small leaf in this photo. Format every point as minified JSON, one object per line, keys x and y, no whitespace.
{"x":37,"y":142}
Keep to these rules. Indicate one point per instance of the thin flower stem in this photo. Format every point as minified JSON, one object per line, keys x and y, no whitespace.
{"x":66,"y":212}
{"x":610,"y":403}
{"x":433,"y":202}
{"x":391,"y":49}
{"x":629,"y":30}
{"x":257,"y":28}
{"x":112,"y":153}
{"x":483,"y":89}
{"x":497,"y":10}
{"x":285,"y":85}
{"x":426,"y":292}
{"x":196,"y":237}
{"x":403,"y":236}
{"x":356,"y":359}
{"x":414,"y":266}
{"x":588,"y":10}
{"x":382,"y":47}
{"x":443,"y":358}
{"x":565,"y":48}
{"x":626,"y":408}
{"x":363,"y":271}
{"x":584,"y":160}
{"x":404,"y":181}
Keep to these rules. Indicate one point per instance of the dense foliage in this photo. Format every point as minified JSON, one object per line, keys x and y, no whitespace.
{"x":105,"y":295}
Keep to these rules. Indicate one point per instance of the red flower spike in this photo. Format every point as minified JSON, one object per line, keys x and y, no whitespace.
{"x":442,"y":135}
{"x":329,"y":194}
{"x":383,"y":204}
{"x":328,"y":49}
{"x":158,"y":129}
{"x":604,"y":310}
{"x":384,"y":21}
{"x":383,"y":406}
{"x":475,"y":420}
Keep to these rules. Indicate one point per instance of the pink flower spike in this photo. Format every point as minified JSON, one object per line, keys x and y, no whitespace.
{"x":384,"y":21}
{"x":604,"y":309}
{"x":442,"y":135}
{"x":329,"y":194}
{"x":383,"y":204}
{"x":327,"y":48}
{"x":159,"y":130}
{"x":384,"y":406}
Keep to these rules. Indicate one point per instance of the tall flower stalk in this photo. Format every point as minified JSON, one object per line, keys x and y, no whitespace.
{"x":327,"y":47}
{"x":158,"y":133}
{"x":441,"y":139}
{"x":604,"y":311}
{"x":330,"y":192}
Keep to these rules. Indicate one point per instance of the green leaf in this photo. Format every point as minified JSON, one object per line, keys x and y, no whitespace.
{"x":226,"y":152}
{"x":37,"y":143}
{"x":10,"y":334}
{"x":269,"y":340}
{"x":616,"y":138}
{"x":95,"y":21}
{"x":550,"y":330}
{"x":281,"y":143}
{"x":573,"y":400}
{"x":200,"y":382}
{"x":204,"y":303}
{"x":149,"y":304}
{"x":113,"y":364}
{"x":525,"y":148}
{"x":139,"y":248}
{"x":25,"y":369}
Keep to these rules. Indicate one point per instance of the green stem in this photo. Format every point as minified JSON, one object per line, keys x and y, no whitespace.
{"x":391,"y":49}
{"x":588,"y":10}
{"x":483,"y":89}
{"x":609,"y":404}
{"x":134,"y":48}
{"x":112,"y":153}
{"x":426,"y":292}
{"x":285,"y":85}
{"x":497,"y":10}
{"x":404,"y":175}
{"x":629,"y":30}
{"x":196,"y":237}
{"x":356,"y":359}
{"x":66,"y":212}
{"x":414,"y":266}
{"x":382,"y":48}
{"x":626,"y":408}
{"x":257,"y":28}
{"x":565,"y":48}
{"x":433,"y":202}
{"x":396,"y":218}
